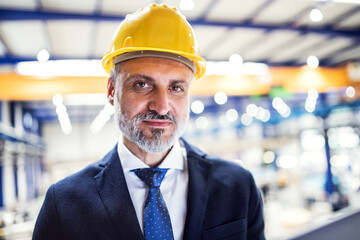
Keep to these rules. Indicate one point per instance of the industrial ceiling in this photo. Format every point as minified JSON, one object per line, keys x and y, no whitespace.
{"x":276,"y":32}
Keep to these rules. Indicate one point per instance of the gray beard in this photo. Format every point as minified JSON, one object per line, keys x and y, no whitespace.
{"x":156,"y":144}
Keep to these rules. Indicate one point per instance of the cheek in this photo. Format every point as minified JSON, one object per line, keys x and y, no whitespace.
{"x":132,"y":106}
{"x":181,"y":108}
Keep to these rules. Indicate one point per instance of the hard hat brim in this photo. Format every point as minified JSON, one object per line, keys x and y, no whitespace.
{"x":200,"y":63}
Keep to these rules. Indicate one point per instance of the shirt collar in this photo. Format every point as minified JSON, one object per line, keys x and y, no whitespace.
{"x":174,"y":159}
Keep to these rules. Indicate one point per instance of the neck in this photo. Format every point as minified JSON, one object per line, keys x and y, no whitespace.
{"x":150,"y":159}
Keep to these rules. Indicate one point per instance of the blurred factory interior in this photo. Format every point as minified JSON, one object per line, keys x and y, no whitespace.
{"x":281,"y":96}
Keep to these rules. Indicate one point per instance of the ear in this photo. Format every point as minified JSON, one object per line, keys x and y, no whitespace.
{"x":110,"y":91}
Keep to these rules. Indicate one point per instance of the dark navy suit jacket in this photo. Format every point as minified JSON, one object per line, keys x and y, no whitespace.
{"x":94,"y":204}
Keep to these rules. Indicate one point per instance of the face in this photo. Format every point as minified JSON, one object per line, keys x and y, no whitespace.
{"x":151,"y":99}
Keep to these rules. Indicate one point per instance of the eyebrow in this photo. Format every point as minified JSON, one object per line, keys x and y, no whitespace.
{"x":179,"y":82}
{"x":150,"y":79}
{"x":139,"y":76}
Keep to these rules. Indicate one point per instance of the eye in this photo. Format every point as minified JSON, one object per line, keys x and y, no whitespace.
{"x":177,"y":89}
{"x":141,"y":85}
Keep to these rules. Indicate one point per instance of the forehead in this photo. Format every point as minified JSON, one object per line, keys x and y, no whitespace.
{"x":157,"y":67}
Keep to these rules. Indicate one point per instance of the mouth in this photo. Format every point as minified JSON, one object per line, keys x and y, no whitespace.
{"x":158,"y":123}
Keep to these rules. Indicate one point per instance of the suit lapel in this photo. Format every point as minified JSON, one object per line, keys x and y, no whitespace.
{"x":199,"y":172}
{"x":112,"y":188}
{"x":113,"y":191}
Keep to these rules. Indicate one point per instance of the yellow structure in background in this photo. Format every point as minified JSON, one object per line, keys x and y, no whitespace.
{"x":301,"y":79}
{"x":293,"y":79}
{"x":29,"y":88}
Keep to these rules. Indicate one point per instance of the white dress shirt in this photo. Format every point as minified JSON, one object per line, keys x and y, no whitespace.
{"x":173,"y":187}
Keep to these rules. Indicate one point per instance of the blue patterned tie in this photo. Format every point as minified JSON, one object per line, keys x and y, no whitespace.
{"x":157,"y":224}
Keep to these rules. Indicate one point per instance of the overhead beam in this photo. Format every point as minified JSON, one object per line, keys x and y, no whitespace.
{"x":260,"y":10}
{"x":332,"y":59}
{"x":11,"y":59}
{"x":21,"y":15}
{"x":208,"y":9}
{"x":345,"y":16}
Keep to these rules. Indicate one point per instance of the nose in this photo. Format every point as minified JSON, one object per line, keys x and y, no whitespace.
{"x":160,"y":102}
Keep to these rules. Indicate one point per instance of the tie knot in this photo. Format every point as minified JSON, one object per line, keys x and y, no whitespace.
{"x":152,"y":177}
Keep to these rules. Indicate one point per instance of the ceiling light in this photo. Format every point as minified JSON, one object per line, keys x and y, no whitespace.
{"x":232,"y":115}
{"x":197,"y":107}
{"x":220,"y":98}
{"x":310,"y":103}
{"x":201,"y":122}
{"x":187,"y":5}
{"x":236,"y":59}
{"x":43,"y":55}
{"x":312,"y":61}
{"x":255,"y":69}
{"x":63,"y":116}
{"x":287,"y":161}
{"x":235,"y":66}
{"x":260,"y":113}
{"x":102,"y":118}
{"x":316,"y":15}
{"x":277,"y":103}
{"x":350,"y":92}
{"x":61,"y":110}
{"x":339,"y":161}
{"x":310,"y":106}
{"x":85,"y":99}
{"x":57,"y":100}
{"x":62,"y":68}
{"x":246,"y":119}
{"x":282,"y":108}
{"x":286,"y":112}
{"x":266,"y":116}
{"x":312,"y":141}
{"x":313,"y":94}
{"x":268,"y":157}
{"x":251,"y":110}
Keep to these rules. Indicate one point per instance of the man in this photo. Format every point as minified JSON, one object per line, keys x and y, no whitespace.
{"x":153,"y":184}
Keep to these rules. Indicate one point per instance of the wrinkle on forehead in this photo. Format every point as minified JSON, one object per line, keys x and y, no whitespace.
{"x":158,"y":62}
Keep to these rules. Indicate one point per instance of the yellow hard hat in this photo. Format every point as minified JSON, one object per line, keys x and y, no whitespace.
{"x":156,"y":30}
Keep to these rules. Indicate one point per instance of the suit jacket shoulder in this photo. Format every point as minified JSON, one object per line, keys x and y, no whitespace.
{"x":89,"y":205}
{"x":222,"y":170}
{"x":231,"y":202}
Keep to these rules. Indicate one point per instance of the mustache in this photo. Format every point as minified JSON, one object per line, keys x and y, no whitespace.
{"x":153,"y":115}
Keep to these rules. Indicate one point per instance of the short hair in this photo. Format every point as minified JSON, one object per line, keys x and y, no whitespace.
{"x":114,"y":71}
